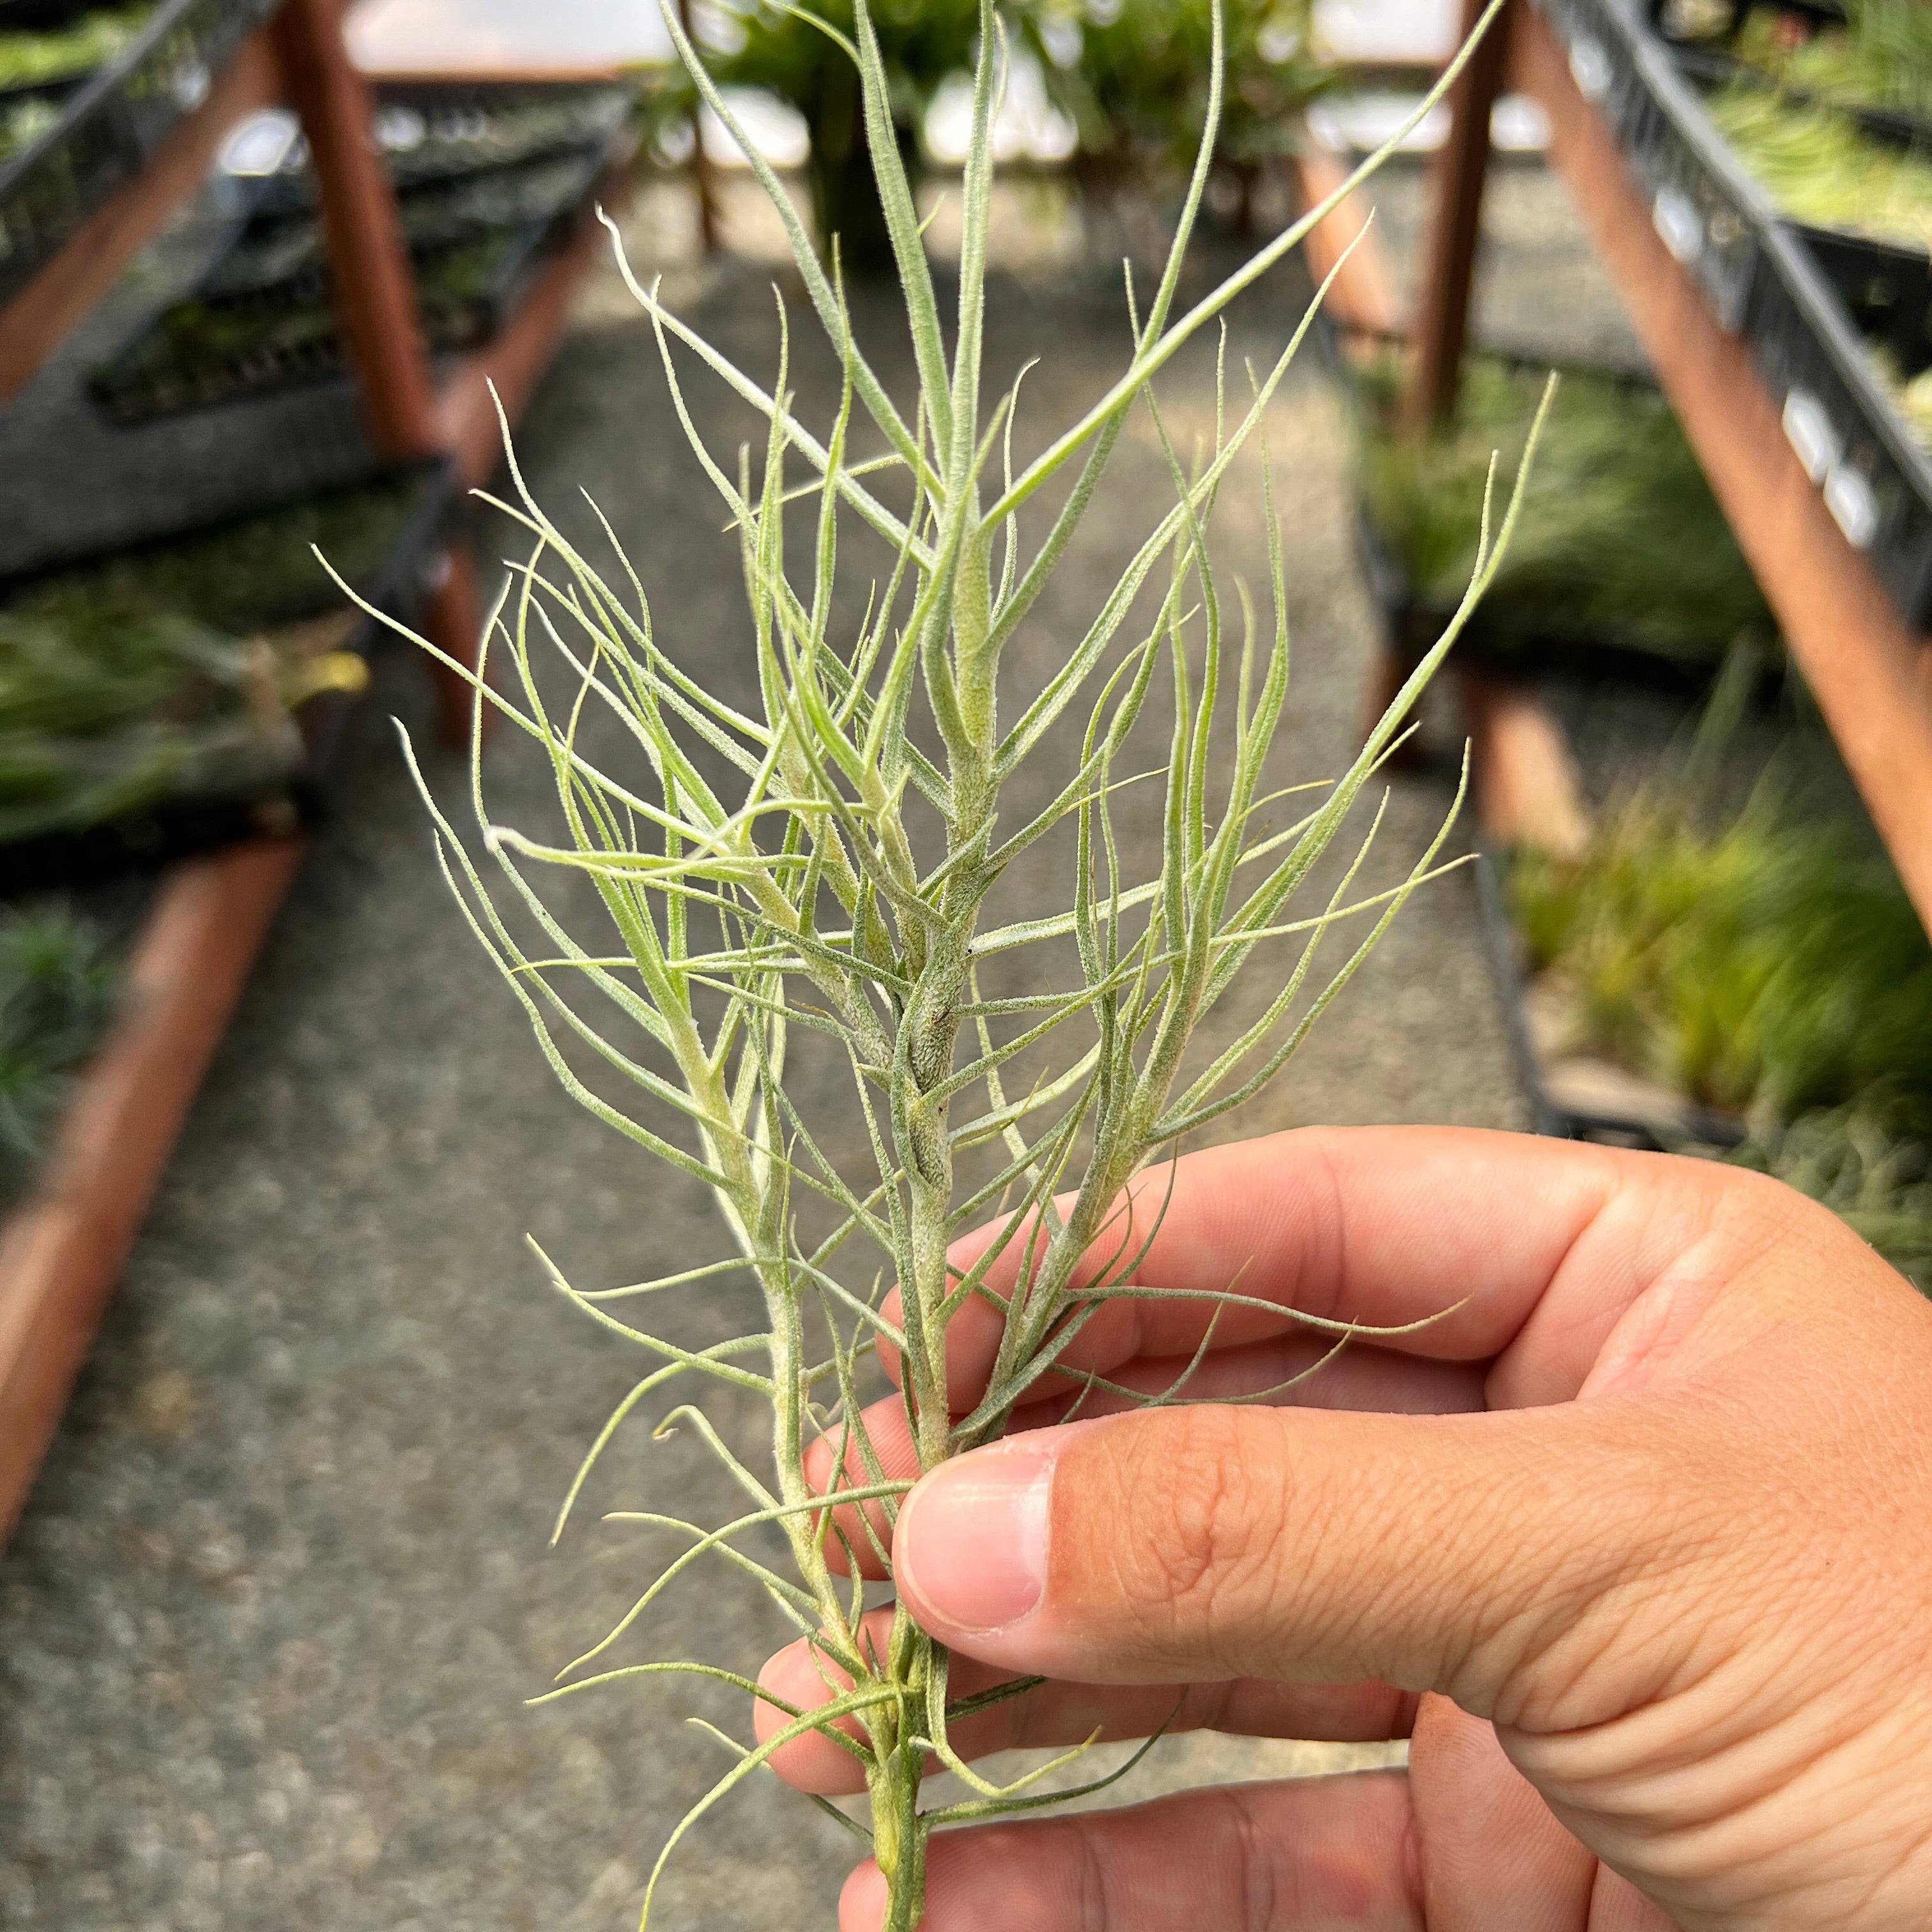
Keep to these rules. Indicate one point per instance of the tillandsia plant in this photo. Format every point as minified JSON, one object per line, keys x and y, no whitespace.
{"x":847,"y":889}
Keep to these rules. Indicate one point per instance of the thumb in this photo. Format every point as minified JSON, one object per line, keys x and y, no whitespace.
{"x":1439,"y":1553}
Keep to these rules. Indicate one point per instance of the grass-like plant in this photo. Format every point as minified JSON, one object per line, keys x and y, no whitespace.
{"x":1881,"y":58}
{"x":1820,"y":166}
{"x":1622,"y":537}
{"x":170,"y":672}
{"x":1766,"y":963}
{"x":37,"y":58}
{"x":848,"y":887}
{"x":58,"y":984}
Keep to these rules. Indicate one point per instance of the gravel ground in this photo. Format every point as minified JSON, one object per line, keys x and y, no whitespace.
{"x":266,"y":1626}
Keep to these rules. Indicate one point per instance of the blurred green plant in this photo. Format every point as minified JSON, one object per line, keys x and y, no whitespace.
{"x":23,"y":121}
{"x":1621,"y":538}
{"x":1912,"y":397}
{"x":1763,"y":967}
{"x":1881,"y":58}
{"x":1821,"y":167}
{"x":65,"y":53}
{"x":1133,"y":76}
{"x":1855,"y":1160}
{"x":58,"y":984}
{"x":848,"y":888}
{"x":170,"y":672}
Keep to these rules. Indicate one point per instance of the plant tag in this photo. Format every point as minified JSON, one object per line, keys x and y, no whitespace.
{"x":1854,"y":507}
{"x":1589,"y":68}
{"x":1808,"y":430}
{"x":1674,"y":218}
{"x":260,"y":145}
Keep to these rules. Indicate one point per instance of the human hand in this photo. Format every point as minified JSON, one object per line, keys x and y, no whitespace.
{"x":1635,"y":1543}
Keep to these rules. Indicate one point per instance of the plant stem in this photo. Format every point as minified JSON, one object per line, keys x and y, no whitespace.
{"x":898,"y":1832}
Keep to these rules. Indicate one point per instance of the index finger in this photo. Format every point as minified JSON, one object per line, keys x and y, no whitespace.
{"x":1467,"y":1232}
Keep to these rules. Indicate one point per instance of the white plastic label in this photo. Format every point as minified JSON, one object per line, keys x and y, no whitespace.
{"x":260,"y":145}
{"x":1676,"y":221}
{"x":1808,"y":430}
{"x":1854,"y":508}
{"x":1589,"y":68}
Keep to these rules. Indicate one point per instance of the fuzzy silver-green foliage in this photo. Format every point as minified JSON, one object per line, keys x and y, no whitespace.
{"x":848,"y":886}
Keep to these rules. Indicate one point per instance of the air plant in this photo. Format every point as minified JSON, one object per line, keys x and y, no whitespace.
{"x":1854,"y":1159}
{"x":772,"y":45}
{"x":856,"y":886}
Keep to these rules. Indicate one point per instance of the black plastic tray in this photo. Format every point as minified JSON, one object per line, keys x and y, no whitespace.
{"x":1766,"y":283}
{"x":1412,"y":625}
{"x":300,"y":798}
{"x":109,"y":126}
{"x":284,"y":329}
{"x":435,"y":131}
{"x":1886,"y":286}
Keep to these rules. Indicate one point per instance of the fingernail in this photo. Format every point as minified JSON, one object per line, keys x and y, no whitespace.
{"x":969,"y":1550}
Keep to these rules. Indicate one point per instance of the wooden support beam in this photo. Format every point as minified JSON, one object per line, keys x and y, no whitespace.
{"x":1460,"y":173}
{"x":369,"y":263}
{"x":1872,"y":677}
{"x":451,"y":607}
{"x":1364,"y":295}
{"x":375,"y":298}
{"x":703,"y":182}
{"x":1527,"y":792}
{"x":62,"y":1252}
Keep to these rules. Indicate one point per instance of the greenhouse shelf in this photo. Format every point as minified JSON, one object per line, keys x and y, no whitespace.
{"x":109,"y":126}
{"x":62,"y":1250}
{"x":506,"y":371}
{"x":297,"y":798}
{"x":1513,"y":640}
{"x":1746,"y":416}
{"x":68,"y":284}
{"x":297,"y":342}
{"x":1765,"y":281}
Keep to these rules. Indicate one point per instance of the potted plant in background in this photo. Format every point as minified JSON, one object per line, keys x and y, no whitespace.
{"x":920,"y":44}
{"x":1133,"y":77}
